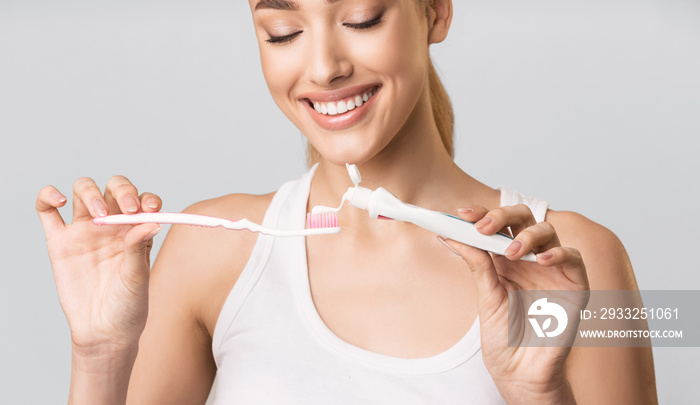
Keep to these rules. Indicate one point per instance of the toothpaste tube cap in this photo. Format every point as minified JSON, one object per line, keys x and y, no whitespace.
{"x":354,"y":173}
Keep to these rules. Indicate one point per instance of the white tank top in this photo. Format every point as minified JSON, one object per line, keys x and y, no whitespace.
{"x":271,"y":346}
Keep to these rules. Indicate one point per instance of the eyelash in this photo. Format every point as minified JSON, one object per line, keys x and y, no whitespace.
{"x":367,"y":24}
{"x":359,"y":26}
{"x":282,"y":40}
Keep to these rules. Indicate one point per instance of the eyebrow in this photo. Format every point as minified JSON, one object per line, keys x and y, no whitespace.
{"x":282,"y":4}
{"x":277,"y":5}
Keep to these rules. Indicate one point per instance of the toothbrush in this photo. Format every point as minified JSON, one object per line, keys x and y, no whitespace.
{"x":382,"y":204}
{"x":318,"y":224}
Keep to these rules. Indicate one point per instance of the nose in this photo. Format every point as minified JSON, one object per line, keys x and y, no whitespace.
{"x":328,"y":62}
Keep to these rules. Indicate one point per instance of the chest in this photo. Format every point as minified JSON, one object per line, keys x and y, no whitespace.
{"x":410,"y":299}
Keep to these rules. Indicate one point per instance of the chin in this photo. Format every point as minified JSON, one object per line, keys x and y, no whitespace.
{"x":340,"y":158}
{"x":353,"y":149}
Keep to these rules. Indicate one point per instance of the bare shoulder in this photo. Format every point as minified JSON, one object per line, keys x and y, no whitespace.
{"x":604,"y":375}
{"x":606,"y":259}
{"x":251,"y":205}
{"x":206,"y":262}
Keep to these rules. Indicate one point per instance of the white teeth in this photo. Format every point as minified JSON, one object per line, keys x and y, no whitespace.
{"x":359,"y":101}
{"x":341,"y":107}
{"x":332,"y":109}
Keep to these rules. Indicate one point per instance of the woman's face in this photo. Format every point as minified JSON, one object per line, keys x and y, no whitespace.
{"x":348,"y":73}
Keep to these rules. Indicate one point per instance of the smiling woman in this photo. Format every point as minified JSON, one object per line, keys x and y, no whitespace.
{"x":308,"y":49}
{"x":385,"y":311}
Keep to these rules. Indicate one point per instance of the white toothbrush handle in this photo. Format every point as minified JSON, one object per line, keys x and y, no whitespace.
{"x":178,"y":218}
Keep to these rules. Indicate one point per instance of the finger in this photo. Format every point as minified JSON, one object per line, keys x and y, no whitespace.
{"x":47,"y":202}
{"x":569,"y":259}
{"x":150,"y":202}
{"x":482,"y":269}
{"x":88,"y":201}
{"x":137,"y":247}
{"x":517,"y":218}
{"x":121,"y":195}
{"x":476,"y":212}
{"x":472,"y":213}
{"x":537,"y":238}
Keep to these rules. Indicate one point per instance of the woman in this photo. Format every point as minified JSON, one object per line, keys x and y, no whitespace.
{"x":381,"y":312}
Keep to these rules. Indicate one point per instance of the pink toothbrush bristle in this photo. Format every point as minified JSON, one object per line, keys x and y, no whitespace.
{"x":322,"y":220}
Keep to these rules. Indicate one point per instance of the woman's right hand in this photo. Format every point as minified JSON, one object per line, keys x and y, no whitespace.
{"x":101,"y":272}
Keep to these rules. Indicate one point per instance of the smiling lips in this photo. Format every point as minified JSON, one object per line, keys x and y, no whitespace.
{"x":340,"y":109}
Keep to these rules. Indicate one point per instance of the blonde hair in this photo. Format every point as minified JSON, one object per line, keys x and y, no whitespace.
{"x":439,"y":101}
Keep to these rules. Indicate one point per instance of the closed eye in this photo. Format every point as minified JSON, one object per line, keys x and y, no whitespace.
{"x":283,"y":39}
{"x":367,"y":24}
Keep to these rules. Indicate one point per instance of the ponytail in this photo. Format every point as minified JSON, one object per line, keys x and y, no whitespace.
{"x":442,"y":110}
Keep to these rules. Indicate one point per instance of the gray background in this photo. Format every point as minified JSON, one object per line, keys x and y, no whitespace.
{"x":590,"y":104}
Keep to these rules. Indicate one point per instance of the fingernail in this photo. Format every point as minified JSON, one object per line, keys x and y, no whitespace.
{"x":466,"y":210}
{"x":483,"y":222}
{"x":58,"y":197}
{"x":152,"y":203}
{"x":99,"y":207}
{"x":450,"y":248}
{"x":152,"y":234}
{"x":513,"y":248}
{"x":545,"y":255}
{"x":131,"y":203}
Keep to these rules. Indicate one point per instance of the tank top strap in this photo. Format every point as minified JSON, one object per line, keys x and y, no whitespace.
{"x":511,"y":197}
{"x":276,"y":216}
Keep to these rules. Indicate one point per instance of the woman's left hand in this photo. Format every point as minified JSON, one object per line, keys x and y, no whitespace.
{"x":522,"y":374}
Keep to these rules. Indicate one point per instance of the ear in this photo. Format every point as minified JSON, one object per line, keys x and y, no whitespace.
{"x":439,"y":19}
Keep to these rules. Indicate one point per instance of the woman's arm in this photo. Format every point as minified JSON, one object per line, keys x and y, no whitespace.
{"x":605,"y":375}
{"x":134,"y":330}
{"x":194,"y":273}
{"x":536,"y":374}
{"x":101,"y":276}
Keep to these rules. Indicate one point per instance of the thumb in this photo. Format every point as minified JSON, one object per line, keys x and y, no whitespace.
{"x":488,"y":286}
{"x":137,"y":248}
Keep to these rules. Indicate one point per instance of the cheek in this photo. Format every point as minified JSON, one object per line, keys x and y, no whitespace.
{"x":280,"y":68}
{"x":398,"y":52}
{"x":400,"y":57}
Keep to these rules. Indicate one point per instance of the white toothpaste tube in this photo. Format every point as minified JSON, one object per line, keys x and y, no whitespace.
{"x":382,"y":204}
